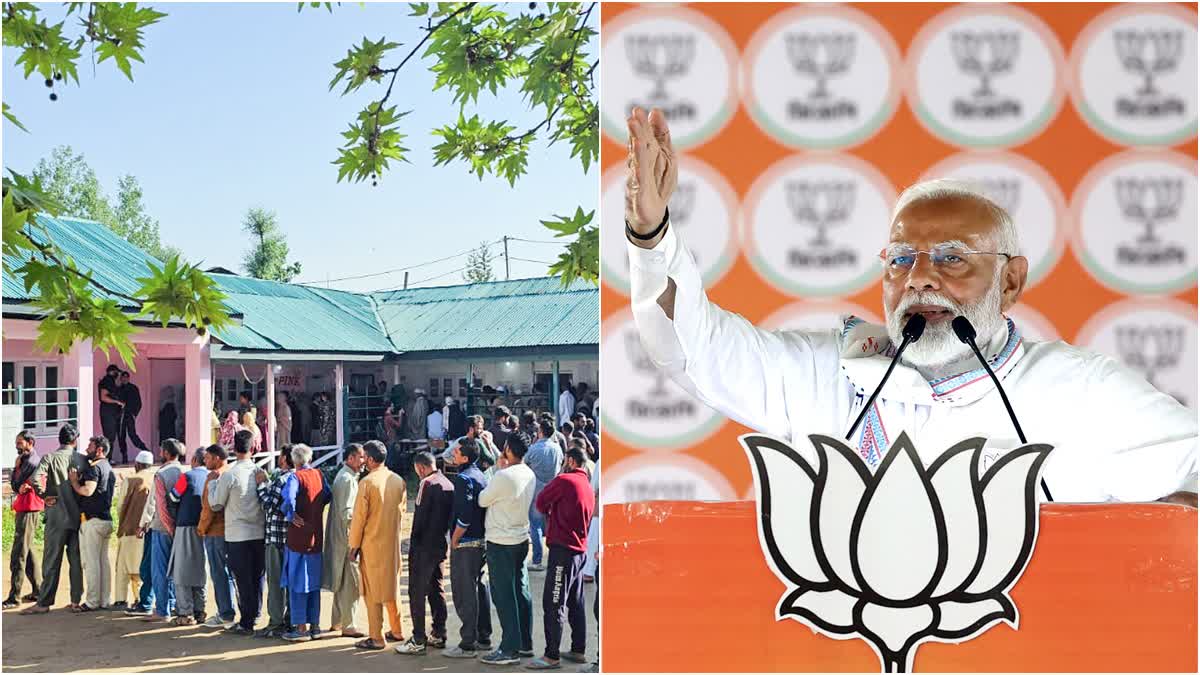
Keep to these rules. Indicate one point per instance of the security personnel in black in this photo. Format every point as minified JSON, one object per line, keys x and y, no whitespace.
{"x":110,"y":405}
{"x":132,"y":398}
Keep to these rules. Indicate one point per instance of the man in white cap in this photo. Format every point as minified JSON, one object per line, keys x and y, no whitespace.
{"x":131,"y":496}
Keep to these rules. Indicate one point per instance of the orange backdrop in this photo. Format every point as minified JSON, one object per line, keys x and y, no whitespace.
{"x":657,"y":444}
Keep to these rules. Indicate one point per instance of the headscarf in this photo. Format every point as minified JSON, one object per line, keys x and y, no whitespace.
{"x":228,"y":429}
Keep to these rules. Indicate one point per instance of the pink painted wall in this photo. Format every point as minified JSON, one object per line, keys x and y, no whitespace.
{"x":151,"y":371}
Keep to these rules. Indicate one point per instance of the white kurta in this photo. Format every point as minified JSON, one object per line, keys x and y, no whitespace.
{"x":1116,"y":438}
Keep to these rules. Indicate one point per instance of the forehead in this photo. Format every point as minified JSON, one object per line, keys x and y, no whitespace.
{"x":933,"y":221}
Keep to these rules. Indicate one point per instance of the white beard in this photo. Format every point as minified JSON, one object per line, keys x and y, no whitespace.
{"x":939,"y":346}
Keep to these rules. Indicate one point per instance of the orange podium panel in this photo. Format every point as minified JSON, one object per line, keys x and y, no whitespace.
{"x":1110,"y":587}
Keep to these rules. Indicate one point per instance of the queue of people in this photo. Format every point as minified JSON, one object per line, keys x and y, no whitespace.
{"x":493,"y":499}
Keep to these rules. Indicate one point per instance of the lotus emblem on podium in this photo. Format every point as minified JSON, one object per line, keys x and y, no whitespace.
{"x":911,"y":554}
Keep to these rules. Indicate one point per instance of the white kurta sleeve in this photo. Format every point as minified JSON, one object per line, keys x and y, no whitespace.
{"x":721,"y":358}
{"x":1147,"y":440}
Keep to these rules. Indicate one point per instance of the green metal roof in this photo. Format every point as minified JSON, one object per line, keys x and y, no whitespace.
{"x":276,"y":317}
{"x":113,"y":262}
{"x":502,"y":314}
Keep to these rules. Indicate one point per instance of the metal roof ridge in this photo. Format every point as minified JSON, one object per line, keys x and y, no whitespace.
{"x":382,"y":327}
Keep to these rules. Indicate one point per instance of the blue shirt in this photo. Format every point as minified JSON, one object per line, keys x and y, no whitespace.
{"x":468,"y":514}
{"x":545,"y":458}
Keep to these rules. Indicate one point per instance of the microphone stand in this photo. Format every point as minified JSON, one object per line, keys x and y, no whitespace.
{"x":912,"y":332}
{"x":966,"y":332}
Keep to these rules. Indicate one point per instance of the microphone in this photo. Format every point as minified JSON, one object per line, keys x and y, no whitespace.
{"x":966,"y":334}
{"x":912,"y":331}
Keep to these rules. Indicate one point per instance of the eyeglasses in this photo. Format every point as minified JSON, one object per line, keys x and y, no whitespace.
{"x":946,"y":258}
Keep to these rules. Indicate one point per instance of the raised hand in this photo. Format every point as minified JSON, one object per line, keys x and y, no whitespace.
{"x":652,"y":172}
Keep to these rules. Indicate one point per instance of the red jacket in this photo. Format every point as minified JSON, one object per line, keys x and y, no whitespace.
{"x":568,"y":502}
{"x":27,"y":501}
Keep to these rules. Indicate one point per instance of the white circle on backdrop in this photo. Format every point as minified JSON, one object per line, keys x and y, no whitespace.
{"x":675,"y":59}
{"x":1134,"y":74}
{"x":1135,"y":222}
{"x":1032,"y":324}
{"x":821,"y":76}
{"x":1156,"y":337}
{"x":1024,"y":189}
{"x":985,"y":75}
{"x":703,"y":211}
{"x":643,"y":407}
{"x":675,"y":477}
{"x":813,"y":225}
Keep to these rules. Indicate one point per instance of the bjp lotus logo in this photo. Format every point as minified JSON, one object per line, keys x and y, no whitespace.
{"x":907,"y":555}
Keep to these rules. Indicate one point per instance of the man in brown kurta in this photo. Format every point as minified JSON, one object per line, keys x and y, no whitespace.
{"x":375,"y":543}
{"x":132,"y":496}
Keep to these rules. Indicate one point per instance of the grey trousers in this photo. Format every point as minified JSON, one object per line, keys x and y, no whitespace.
{"x":57,"y":539}
{"x":277,"y":597}
{"x":191,"y":601}
{"x":345,"y":596}
{"x":472,"y":602}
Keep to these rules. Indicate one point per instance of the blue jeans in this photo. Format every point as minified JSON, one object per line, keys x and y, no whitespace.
{"x":218,"y":567}
{"x":164,"y":585}
{"x":305,"y":608}
{"x":146,"y":593}
{"x":537,"y":530}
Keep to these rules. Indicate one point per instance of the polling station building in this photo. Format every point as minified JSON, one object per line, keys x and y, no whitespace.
{"x":485,"y":344}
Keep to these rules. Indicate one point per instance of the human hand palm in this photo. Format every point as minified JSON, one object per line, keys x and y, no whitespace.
{"x":652,"y":170}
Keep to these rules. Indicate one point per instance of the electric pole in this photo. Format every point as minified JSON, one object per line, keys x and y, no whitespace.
{"x":506,"y":257}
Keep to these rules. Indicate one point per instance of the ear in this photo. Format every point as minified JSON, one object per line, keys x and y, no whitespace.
{"x":1012,"y":281}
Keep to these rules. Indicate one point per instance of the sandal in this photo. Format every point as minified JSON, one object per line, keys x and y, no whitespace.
{"x":80,"y":609}
{"x":369,"y":644}
{"x":352,"y":633}
{"x":32,"y":597}
{"x":390,"y":636}
{"x":36,"y":609}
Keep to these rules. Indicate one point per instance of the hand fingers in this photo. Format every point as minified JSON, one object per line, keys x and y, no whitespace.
{"x":662,"y":133}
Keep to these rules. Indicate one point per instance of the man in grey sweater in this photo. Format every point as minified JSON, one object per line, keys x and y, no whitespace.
{"x":235,"y":492}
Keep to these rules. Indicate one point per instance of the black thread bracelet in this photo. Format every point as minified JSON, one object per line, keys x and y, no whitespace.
{"x":629,"y":232}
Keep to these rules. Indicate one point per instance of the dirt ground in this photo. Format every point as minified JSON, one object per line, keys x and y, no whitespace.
{"x":112,"y":642}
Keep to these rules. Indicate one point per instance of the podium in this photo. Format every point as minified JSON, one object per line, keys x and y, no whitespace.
{"x":1110,"y":587}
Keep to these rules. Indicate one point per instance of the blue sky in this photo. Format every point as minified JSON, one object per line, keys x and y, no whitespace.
{"x":232,"y":110}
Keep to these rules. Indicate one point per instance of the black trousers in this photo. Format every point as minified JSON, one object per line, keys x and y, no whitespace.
{"x":425,"y":584}
{"x":129,"y":429}
{"x":110,"y":426}
{"x":21,"y":563}
{"x":248,"y":562}
{"x":58,"y":539}
{"x":562,"y":599}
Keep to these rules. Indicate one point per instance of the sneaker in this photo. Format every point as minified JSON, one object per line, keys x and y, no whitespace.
{"x":537,"y":567}
{"x":151,"y":617}
{"x":183,"y":621}
{"x":9,"y":603}
{"x":457,"y":652}
{"x":120,"y":604}
{"x":411,"y":647}
{"x":315,"y":634}
{"x":296,"y":636}
{"x":436,"y":643}
{"x":483,"y":646}
{"x":527,"y":653}
{"x":499,"y":658}
{"x":134,"y":611}
{"x":239,"y":629}
{"x":215,"y":621}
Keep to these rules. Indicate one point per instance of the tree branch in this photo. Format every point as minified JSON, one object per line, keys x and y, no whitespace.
{"x":48,"y":253}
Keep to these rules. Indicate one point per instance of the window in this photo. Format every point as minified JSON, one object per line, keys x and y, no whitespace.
{"x":462,"y":387}
{"x":26,"y":385}
{"x":448,"y":386}
{"x":232,"y":388}
{"x":29,"y":381}
{"x":9,"y":380}
{"x":433,"y":387}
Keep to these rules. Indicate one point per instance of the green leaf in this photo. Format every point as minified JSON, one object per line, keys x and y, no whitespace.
{"x":13,"y":118}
